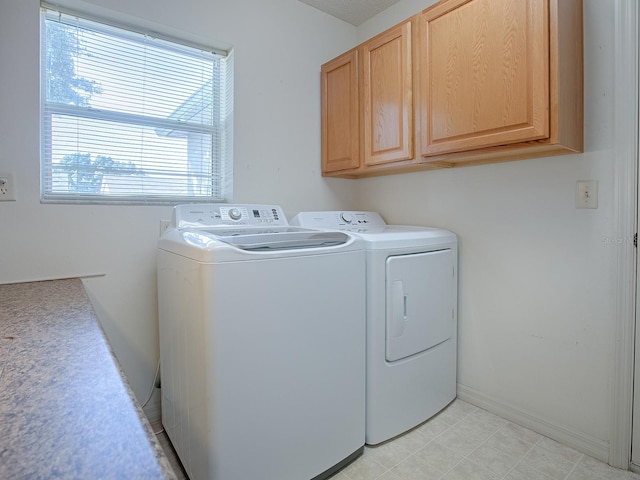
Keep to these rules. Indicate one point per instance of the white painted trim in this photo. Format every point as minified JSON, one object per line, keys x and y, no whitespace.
{"x":580,"y":441}
{"x":625,"y":213}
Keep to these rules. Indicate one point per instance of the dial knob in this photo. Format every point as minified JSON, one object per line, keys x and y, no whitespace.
{"x":235,"y":214}
{"x":346,"y":218}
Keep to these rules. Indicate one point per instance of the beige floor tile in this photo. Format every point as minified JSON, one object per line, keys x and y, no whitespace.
{"x":496,"y":461}
{"x":455,"y":412}
{"x":467,"y":470}
{"x":465,"y":442}
{"x":388,"y":476}
{"x":414,"y":468}
{"x":555,"y":447}
{"x":413,"y":440}
{"x":526,"y":472}
{"x":513,"y":440}
{"x":171,"y":454}
{"x":433,"y":427}
{"x":364,"y":468}
{"x":489,"y":420}
{"x":551,"y":463}
{"x":439,"y":456}
{"x":465,"y":437}
{"x":591,"y":469}
{"x":388,"y":454}
{"x":339,"y":476}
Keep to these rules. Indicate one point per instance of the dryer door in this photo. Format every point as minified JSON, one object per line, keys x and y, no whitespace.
{"x":420,"y":295}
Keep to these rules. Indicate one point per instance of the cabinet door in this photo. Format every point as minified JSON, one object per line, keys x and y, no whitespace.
{"x":340,"y":113}
{"x":484,"y":74}
{"x":387,"y":96}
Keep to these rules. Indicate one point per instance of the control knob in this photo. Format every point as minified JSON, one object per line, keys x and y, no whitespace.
{"x":346,"y":218}
{"x":234,"y":214}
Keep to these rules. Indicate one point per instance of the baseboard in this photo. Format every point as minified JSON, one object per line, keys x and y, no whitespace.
{"x":580,"y":441}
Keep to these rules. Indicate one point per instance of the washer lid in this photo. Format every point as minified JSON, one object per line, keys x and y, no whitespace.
{"x":286,"y":240}
{"x":235,"y":243}
{"x":263,"y":239}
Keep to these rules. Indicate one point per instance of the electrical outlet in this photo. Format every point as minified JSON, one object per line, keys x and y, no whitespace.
{"x":7,"y":187}
{"x":587,"y":194}
{"x":164,"y":224}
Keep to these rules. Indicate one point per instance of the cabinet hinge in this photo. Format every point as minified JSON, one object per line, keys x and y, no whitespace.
{"x":635,"y":240}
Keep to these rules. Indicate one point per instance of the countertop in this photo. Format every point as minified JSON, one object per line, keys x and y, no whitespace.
{"x":66,"y":410}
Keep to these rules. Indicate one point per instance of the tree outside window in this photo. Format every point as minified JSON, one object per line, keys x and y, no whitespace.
{"x":65,"y":86}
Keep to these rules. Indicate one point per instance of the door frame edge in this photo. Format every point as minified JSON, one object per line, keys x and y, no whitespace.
{"x":625,"y":223}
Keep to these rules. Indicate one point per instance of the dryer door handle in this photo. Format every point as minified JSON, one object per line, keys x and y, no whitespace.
{"x":398,"y":310}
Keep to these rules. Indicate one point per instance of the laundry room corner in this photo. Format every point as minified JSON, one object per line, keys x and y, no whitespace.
{"x":537,"y":275}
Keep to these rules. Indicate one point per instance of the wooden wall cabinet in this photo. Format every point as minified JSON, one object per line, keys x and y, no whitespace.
{"x":367,"y":105}
{"x":463,"y":82}
{"x":500,"y":80}
{"x":387,"y":97}
{"x":340,"y":114}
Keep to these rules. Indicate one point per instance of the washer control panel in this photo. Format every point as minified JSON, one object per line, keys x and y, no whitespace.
{"x":202,"y":215}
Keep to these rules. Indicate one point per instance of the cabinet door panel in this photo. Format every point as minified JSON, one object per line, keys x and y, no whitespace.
{"x":387,"y":100}
{"x":484,"y":73}
{"x":340,"y":114}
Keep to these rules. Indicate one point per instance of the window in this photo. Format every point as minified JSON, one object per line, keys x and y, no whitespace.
{"x":130,"y":117}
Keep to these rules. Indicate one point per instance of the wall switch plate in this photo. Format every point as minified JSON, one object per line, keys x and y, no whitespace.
{"x":587,"y":194}
{"x":7,"y":187}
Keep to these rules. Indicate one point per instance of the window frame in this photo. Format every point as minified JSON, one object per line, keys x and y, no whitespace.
{"x":222,"y":128}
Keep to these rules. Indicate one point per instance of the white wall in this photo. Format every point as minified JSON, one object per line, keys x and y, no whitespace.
{"x":537,"y":276}
{"x":279,"y":46}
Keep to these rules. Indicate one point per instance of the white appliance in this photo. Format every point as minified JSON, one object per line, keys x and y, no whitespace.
{"x":411,"y":318}
{"x":262,"y":344}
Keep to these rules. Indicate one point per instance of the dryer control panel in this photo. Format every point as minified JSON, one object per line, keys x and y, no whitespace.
{"x":339,"y":219}
{"x":203,"y":215}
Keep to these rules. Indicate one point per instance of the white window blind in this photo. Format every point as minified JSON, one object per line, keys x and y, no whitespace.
{"x":132,"y":118}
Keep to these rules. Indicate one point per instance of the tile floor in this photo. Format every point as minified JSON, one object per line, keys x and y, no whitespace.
{"x":171,"y":454}
{"x":464,"y":442}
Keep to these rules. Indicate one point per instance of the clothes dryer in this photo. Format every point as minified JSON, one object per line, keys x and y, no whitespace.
{"x":411,"y":278}
{"x":262,"y":344}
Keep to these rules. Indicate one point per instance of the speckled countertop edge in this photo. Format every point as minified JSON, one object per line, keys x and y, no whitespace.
{"x":157,"y":448}
{"x":66,"y":409}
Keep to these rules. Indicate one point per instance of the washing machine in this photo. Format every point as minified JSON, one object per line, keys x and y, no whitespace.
{"x":262,"y":344}
{"x":411,"y":318}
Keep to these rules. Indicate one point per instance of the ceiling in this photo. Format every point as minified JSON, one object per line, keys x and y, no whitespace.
{"x":354,"y":12}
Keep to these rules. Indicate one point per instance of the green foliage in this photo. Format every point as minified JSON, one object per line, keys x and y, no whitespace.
{"x":63,"y":84}
{"x":85,"y":175}
{"x":64,"y":47}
